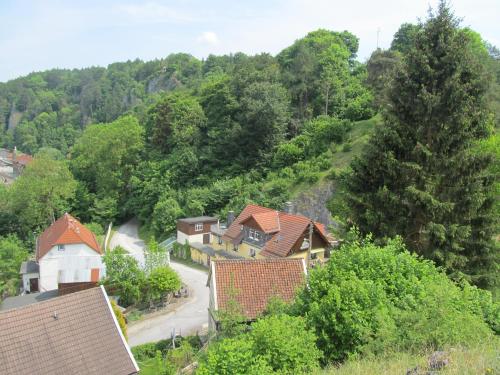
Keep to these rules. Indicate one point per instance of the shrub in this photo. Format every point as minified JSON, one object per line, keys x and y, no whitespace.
{"x":161,"y":281}
{"x":285,"y":343}
{"x":95,"y":228}
{"x":120,"y":318}
{"x":374,"y":299}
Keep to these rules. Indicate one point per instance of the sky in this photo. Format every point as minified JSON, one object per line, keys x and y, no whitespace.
{"x":37,"y":35}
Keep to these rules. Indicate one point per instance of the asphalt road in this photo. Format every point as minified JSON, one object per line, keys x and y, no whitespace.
{"x":190,"y":317}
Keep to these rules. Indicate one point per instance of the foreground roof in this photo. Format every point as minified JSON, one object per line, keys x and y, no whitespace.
{"x":73,"y":334}
{"x":27,"y":299}
{"x":286,"y":229}
{"x":64,"y":231}
{"x":251,"y":283}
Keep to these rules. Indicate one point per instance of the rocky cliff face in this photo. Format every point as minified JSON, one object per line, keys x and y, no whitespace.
{"x":312,"y":203}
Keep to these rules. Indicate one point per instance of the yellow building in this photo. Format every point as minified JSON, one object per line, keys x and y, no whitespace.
{"x":260,"y":233}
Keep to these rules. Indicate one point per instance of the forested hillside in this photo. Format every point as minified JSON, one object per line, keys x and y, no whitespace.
{"x":180,"y":137}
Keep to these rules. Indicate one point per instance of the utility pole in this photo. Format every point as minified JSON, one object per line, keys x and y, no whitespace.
{"x":311,"y":228}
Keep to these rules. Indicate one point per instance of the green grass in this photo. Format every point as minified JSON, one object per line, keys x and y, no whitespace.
{"x":357,"y":138}
{"x":483,"y":359}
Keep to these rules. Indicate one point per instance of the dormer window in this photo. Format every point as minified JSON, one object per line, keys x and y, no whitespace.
{"x":250,"y":234}
{"x":198,"y":227}
{"x":256,"y":236}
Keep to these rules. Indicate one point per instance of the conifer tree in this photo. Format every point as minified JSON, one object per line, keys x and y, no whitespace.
{"x":420,"y":177}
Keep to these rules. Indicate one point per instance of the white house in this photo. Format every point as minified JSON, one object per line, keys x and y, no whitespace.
{"x":195,"y":229}
{"x":68,"y":256}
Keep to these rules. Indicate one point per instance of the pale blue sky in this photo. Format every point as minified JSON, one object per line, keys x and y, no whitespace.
{"x":38,"y":35}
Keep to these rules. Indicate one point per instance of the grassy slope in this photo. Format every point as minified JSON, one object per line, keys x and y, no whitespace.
{"x":483,"y":359}
{"x":357,"y":138}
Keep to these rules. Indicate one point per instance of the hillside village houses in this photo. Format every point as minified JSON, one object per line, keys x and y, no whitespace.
{"x":68,"y":257}
{"x":257,"y":233}
{"x":12,"y":164}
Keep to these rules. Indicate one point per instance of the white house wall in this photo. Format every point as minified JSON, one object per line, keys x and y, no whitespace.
{"x":183,"y":237}
{"x":26,"y":280}
{"x":73,"y":264}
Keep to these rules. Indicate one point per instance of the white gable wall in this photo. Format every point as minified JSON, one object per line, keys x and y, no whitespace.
{"x":73,"y":264}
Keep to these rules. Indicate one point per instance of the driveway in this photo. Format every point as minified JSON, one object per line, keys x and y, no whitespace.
{"x":127,"y":237}
{"x":190,"y":317}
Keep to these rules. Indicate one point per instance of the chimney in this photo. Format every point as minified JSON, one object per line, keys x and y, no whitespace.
{"x":288,"y":207}
{"x":14,"y":154}
{"x":230,"y":218}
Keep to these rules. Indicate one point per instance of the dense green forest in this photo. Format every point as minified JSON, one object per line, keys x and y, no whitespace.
{"x":182,"y":137}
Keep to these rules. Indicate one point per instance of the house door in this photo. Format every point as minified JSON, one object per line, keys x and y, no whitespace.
{"x":94,"y":275}
{"x":33,"y":285}
{"x":206,"y":238}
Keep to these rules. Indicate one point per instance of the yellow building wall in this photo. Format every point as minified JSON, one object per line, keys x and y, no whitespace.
{"x":199,"y":257}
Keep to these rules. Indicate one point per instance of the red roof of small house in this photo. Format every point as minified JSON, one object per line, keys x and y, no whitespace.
{"x":251,"y":283}
{"x":64,"y":231}
{"x":24,"y":159}
{"x":287,"y":229}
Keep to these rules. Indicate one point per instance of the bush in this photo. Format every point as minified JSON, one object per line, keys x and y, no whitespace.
{"x":120,"y":318}
{"x":161,"y":281}
{"x":286,"y":344}
{"x":277,"y":344}
{"x":376,"y":299}
{"x":95,"y":228}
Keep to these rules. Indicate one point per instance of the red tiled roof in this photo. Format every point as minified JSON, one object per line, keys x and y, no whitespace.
{"x":267,"y":221}
{"x":73,"y":334}
{"x":251,"y":283}
{"x":24,"y":159}
{"x":290,"y":229}
{"x":65,"y":230}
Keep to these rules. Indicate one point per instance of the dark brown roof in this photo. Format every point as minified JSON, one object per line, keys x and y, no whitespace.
{"x":69,"y":335}
{"x":65,"y":230}
{"x":288,"y":229}
{"x":252,"y":282}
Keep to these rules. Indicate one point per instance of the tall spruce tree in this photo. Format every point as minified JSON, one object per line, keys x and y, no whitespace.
{"x":419,"y":177}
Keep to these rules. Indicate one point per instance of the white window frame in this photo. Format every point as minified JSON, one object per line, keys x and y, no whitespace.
{"x":252,"y":252}
{"x":256,"y":236}
{"x":250,"y":233}
{"x":61,"y":248}
{"x":198,"y":227}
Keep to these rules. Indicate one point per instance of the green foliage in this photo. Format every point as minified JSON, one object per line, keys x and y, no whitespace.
{"x":376,"y":299}
{"x":405,"y":38}
{"x":165,"y":214}
{"x":286,"y":344}
{"x":95,"y":228}
{"x":233,"y":356}
{"x":123,"y":276}
{"x":160,"y":282}
{"x":120,"y":318}
{"x":318,"y":69}
{"x":12,"y":253}
{"x":40,"y":195}
{"x":420,"y":177}
{"x":104,"y":159}
{"x":278,"y":344}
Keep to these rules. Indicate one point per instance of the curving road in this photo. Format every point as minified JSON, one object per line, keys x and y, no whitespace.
{"x":190,"y":317}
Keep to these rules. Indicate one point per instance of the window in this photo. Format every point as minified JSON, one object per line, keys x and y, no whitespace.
{"x":256,"y":236}
{"x":314,"y":255}
{"x":235,"y":247}
{"x":252,"y":252}
{"x":250,"y":234}
{"x":60,"y":247}
{"x":219,"y":239}
{"x":198,"y":227}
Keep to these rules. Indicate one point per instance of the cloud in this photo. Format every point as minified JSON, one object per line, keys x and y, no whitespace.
{"x":208,"y":37}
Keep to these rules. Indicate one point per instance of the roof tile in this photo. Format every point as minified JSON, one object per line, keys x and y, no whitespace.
{"x":253,"y":282}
